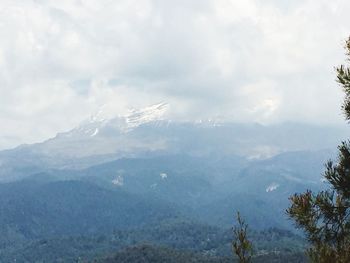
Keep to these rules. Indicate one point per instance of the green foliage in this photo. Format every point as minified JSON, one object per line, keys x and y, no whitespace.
{"x":193,"y":237}
{"x":325,"y":216}
{"x":50,"y":219}
{"x":241,"y":245}
{"x":61,"y":221}
{"x":152,"y":254}
{"x":343,"y":78}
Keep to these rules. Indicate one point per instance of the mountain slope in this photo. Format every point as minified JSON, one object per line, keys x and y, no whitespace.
{"x":148,"y":133}
{"x":37,"y":210}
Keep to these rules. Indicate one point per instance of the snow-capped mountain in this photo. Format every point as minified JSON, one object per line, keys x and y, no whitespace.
{"x":99,"y":136}
{"x":121,"y":124}
{"x":147,"y":132}
{"x":149,"y":114}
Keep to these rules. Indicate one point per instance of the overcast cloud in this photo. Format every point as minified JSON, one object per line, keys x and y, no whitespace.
{"x":265,"y":61}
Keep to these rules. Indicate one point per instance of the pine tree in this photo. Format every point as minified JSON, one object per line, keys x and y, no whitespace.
{"x":241,"y":245}
{"x":325,"y":216}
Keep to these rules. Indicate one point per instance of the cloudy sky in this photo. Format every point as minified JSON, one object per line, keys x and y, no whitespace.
{"x":265,"y":61}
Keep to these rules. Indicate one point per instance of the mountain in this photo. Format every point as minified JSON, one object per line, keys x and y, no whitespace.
{"x":206,"y":169}
{"x":147,"y":253}
{"x":147,"y":133}
{"x":115,"y":183}
{"x":150,"y":254}
{"x":184,"y":237}
{"x":38,"y":209}
{"x":201,"y":188}
{"x":210,"y":189}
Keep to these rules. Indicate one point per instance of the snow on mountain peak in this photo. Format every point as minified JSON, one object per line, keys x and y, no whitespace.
{"x":145,"y":115}
{"x":124,"y":123}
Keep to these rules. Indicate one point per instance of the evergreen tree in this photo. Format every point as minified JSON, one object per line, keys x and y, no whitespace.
{"x":325,"y":216}
{"x":241,"y":245}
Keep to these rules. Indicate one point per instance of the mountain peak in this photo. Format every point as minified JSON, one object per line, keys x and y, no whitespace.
{"x":122,"y":123}
{"x":137,"y":117}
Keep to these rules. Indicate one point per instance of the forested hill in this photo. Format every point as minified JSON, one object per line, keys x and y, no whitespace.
{"x":152,"y":254}
{"x":168,"y":201}
{"x":62,"y":221}
{"x":183,"y":239}
{"x":55,"y":209}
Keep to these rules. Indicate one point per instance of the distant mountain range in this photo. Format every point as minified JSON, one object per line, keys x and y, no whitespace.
{"x":142,"y":170}
{"x":146,"y":133}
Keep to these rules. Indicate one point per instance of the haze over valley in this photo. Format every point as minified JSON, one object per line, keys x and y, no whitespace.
{"x":174,"y":131}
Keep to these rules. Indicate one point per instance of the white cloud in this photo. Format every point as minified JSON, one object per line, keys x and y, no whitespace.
{"x":252,"y":60}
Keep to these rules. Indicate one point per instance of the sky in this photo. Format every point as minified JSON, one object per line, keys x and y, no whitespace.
{"x":265,"y":61}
